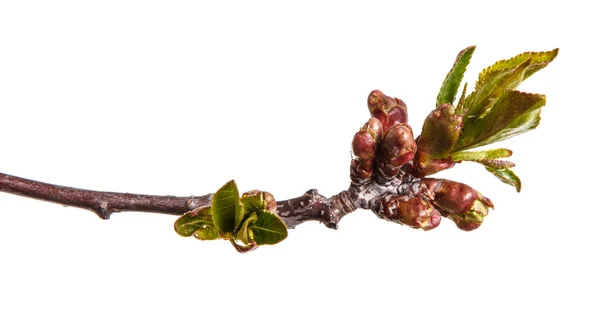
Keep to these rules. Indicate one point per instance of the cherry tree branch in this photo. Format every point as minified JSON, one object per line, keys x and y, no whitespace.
{"x":101,"y":203}
{"x":311,"y":206}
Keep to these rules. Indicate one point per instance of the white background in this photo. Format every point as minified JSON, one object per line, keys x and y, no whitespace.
{"x":177,"y":97}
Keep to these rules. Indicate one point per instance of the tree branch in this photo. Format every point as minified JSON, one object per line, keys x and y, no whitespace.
{"x":311,"y":206}
{"x":101,"y":203}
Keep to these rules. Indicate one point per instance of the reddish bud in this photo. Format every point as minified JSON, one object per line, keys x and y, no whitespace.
{"x":438,"y":137}
{"x":411,"y":211}
{"x":423,"y":165}
{"x":364,"y":145}
{"x":398,"y":145}
{"x":463,"y":224}
{"x":374,"y":127}
{"x":271,"y":203}
{"x":460,"y":202}
{"x":473,"y":218}
{"x":390,"y":111}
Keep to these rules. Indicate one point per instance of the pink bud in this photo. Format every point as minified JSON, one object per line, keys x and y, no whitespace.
{"x":412,"y":211}
{"x":398,"y":145}
{"x":390,"y":111}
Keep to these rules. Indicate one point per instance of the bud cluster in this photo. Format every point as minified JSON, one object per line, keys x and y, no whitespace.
{"x":384,"y":149}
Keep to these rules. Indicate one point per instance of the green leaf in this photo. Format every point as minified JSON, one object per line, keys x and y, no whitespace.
{"x":226,"y":208}
{"x":496,"y":163}
{"x":485,"y":97}
{"x":207,"y":232}
{"x":244,"y":234}
{"x":481,"y":155}
{"x":452,"y":81}
{"x":501,"y":76}
{"x":189,"y":222}
{"x":461,"y":101}
{"x":515,"y":113}
{"x":506,"y":176}
{"x":268,"y":228}
{"x":253,"y":201}
{"x":538,"y":61}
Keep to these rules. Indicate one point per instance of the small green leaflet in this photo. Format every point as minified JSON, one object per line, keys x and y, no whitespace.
{"x":189,"y":222}
{"x":226,"y":208}
{"x":538,"y":61}
{"x":244,"y":234}
{"x":506,"y":176}
{"x":479,"y":103}
{"x":515,"y":113}
{"x":504,"y":75}
{"x":496,"y":163}
{"x":452,"y":81}
{"x":207,"y":232}
{"x":482,"y":155}
{"x":268,"y":229}
{"x":253,"y":202}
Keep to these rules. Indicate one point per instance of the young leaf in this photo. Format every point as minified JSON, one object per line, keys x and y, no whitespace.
{"x":485,"y":97}
{"x":257,"y":200}
{"x":207,"y":232}
{"x":253,"y":202}
{"x":244,"y":234}
{"x":226,"y":208}
{"x":461,"y":101}
{"x":515,"y":113}
{"x":506,"y":176}
{"x":189,"y":222}
{"x":481,"y":155}
{"x":452,"y":81}
{"x":496,"y":163}
{"x":504,"y":74}
{"x":538,"y":61}
{"x":268,"y":228}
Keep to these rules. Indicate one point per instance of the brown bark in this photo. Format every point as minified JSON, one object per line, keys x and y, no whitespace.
{"x":311,"y":206}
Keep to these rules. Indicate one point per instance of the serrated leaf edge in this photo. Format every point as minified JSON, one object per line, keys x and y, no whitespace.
{"x":532,"y":54}
{"x":465,"y":53}
{"x":516,"y":183}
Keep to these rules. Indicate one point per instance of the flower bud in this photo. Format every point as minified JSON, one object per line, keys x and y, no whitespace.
{"x":374,"y":127}
{"x":411,"y":211}
{"x":459,"y":202}
{"x":438,"y":137}
{"x":398,"y":145}
{"x":440,"y":131}
{"x":364,"y":147}
{"x":423,"y":165}
{"x":397,"y":148}
{"x":390,"y":111}
{"x":473,"y":218}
